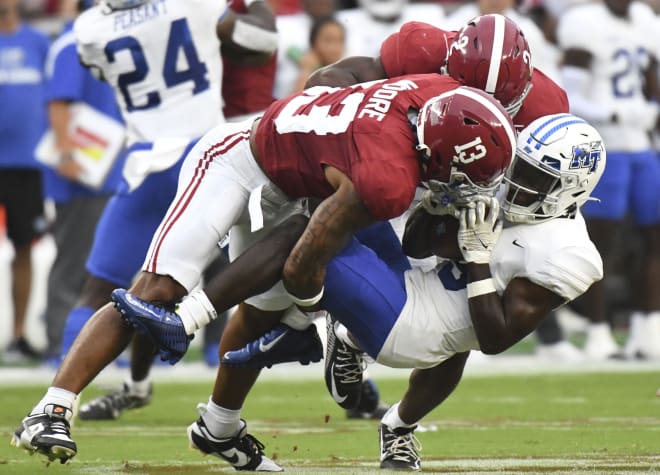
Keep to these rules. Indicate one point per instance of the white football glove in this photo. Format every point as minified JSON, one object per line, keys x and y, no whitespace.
{"x":478,"y":229}
{"x":432,"y":204}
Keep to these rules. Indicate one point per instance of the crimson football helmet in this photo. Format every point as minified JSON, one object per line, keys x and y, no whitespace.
{"x":467,"y":141}
{"x":491,"y":53}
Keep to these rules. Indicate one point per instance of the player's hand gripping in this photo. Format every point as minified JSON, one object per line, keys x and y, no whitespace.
{"x":479,"y":229}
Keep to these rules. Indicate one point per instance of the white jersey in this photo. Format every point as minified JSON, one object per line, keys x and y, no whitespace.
{"x":622,"y":50}
{"x":163,"y":60}
{"x":435,"y":322}
{"x":293,"y":42}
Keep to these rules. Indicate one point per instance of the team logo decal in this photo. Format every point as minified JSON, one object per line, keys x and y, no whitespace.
{"x":587,"y":155}
{"x":459,"y":44}
{"x":469,"y":152}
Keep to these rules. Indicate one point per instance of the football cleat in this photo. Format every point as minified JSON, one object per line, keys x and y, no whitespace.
{"x":344,"y":368}
{"x":282,"y":344}
{"x":111,"y":405}
{"x":370,"y":405}
{"x":163,"y":327}
{"x":47,"y":434}
{"x":243,"y":451}
{"x":398,"y":448}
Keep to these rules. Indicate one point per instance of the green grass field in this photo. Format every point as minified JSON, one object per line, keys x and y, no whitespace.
{"x":572,"y":423}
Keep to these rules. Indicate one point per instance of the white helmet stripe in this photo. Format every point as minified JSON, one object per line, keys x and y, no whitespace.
{"x":504,"y":120}
{"x":496,"y":54}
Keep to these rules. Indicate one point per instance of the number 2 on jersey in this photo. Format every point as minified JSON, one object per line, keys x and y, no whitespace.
{"x":179,"y":40}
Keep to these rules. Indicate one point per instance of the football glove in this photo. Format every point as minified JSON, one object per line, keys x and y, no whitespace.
{"x":479,"y":229}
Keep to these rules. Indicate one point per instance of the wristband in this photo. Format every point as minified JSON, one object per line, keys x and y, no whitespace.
{"x":310,"y":302}
{"x":480,"y":287}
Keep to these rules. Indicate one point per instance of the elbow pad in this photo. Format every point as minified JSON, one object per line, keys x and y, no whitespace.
{"x":254,"y":37}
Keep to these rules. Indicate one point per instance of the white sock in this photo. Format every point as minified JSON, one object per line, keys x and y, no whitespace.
{"x":138,"y":388}
{"x":342,"y":334}
{"x":221,"y":422}
{"x":58,"y":396}
{"x":196,"y":311}
{"x":392,"y":420}
{"x":296,"y":319}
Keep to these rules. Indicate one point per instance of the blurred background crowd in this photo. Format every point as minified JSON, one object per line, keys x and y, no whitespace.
{"x":42,"y":269}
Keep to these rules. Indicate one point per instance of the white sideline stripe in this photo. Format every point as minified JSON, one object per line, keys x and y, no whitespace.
{"x":477,"y":466}
{"x":478,"y":366}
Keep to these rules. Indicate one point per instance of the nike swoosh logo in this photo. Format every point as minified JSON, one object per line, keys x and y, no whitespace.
{"x":333,"y":388}
{"x":264,"y":347}
{"x":235,"y":457}
{"x":482,"y":243}
{"x":515,"y":243}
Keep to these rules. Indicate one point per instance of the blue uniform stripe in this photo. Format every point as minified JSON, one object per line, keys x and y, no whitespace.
{"x":557,"y":127}
{"x":547,"y":123}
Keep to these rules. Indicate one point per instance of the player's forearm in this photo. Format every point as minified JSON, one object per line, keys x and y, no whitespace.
{"x":331,"y":226}
{"x":252,"y":32}
{"x":59,"y":115}
{"x":347,"y":72}
{"x":486,"y":310}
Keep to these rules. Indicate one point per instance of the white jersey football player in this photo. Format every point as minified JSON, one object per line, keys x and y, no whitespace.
{"x":507,"y":283}
{"x":610,"y":75}
{"x":162,"y":57}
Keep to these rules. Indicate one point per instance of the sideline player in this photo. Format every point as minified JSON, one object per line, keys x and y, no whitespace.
{"x":358,"y":177}
{"x":610,"y":75}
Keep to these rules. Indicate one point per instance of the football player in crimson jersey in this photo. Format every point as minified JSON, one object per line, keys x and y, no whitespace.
{"x":359,"y":151}
{"x":472,"y":56}
{"x":489,"y":53}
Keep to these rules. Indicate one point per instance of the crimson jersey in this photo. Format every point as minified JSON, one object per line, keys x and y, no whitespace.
{"x":419,"y":48}
{"x":363,"y":130}
{"x":246,"y":89}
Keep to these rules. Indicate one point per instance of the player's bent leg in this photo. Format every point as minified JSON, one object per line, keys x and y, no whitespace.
{"x":101,"y":340}
{"x":47,"y":433}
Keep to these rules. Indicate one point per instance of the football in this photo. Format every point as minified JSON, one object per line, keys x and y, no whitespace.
{"x":445,"y":241}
